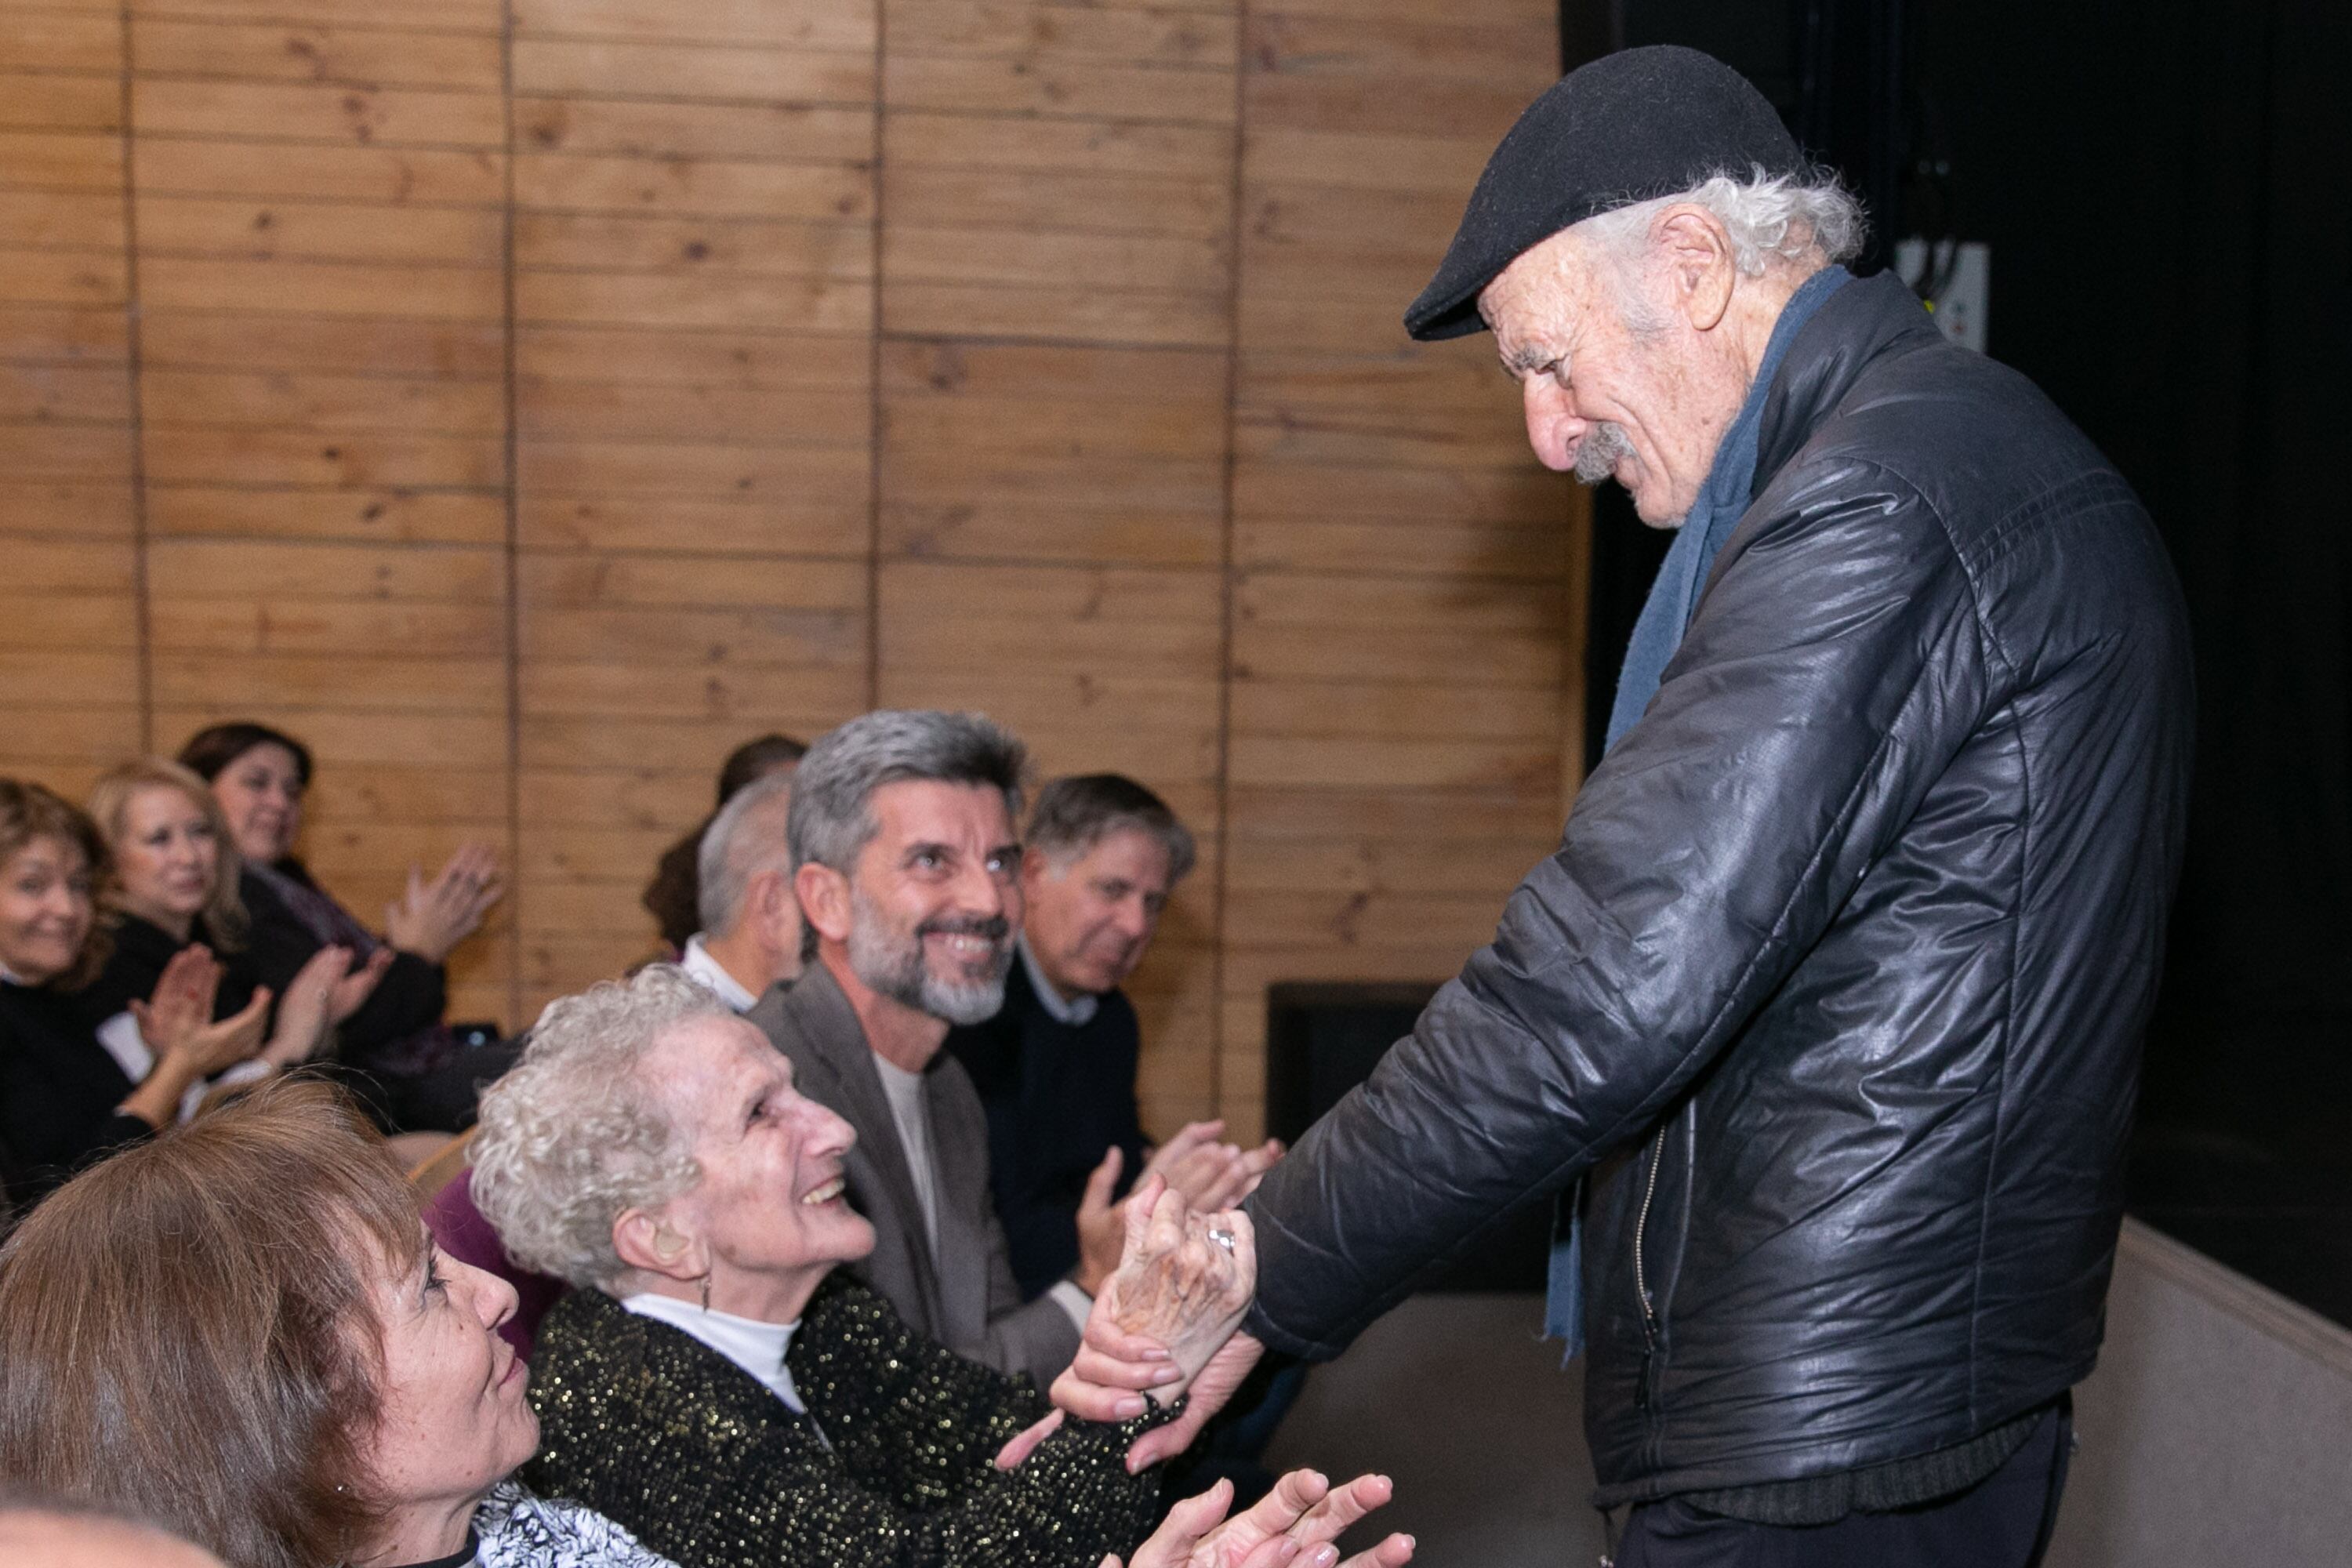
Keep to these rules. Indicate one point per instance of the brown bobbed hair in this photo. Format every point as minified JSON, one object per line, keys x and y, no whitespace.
{"x":188,"y":1330}
{"x":109,"y":805}
{"x":210,"y":751}
{"x":28,"y":812}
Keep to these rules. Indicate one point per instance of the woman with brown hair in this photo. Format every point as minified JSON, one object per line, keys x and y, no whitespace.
{"x":64,"y":1098}
{"x":242,"y":1332}
{"x":172,"y":887}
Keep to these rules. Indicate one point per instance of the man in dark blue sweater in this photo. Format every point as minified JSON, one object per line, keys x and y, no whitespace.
{"x":1056,"y":1069}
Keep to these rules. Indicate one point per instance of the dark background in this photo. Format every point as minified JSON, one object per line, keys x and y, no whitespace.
{"x":2164,"y":190}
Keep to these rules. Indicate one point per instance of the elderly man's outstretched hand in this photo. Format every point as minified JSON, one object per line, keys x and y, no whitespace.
{"x":1295,"y":1524}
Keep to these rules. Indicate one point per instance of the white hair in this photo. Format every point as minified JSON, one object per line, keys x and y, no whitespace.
{"x":746,"y":837}
{"x":575,"y":1134}
{"x":1770,"y":220}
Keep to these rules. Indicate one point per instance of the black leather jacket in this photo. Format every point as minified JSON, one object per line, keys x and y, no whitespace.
{"x":1846,"y":953}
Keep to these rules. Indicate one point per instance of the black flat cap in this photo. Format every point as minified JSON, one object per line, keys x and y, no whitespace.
{"x":1628,"y":127}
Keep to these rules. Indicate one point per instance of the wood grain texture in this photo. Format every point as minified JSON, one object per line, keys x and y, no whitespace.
{"x":526,"y":401}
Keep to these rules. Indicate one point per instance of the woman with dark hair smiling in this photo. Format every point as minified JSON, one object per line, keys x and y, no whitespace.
{"x":419,"y":1074}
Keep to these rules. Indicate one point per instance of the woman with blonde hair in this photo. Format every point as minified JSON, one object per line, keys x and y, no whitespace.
{"x":172,"y":890}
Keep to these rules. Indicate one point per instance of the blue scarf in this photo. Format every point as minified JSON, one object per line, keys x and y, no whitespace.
{"x":1658,"y":632}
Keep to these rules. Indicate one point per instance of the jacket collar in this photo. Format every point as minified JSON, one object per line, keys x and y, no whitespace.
{"x":1866,"y":319}
{"x":819,"y":1013}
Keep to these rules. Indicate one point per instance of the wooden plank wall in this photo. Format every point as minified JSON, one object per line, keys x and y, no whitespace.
{"x":526,"y":400}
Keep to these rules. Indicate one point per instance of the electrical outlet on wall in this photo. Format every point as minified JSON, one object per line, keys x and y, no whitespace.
{"x":1957,"y":289}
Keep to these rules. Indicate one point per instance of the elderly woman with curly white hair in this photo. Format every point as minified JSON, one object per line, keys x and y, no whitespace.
{"x":719,"y":1387}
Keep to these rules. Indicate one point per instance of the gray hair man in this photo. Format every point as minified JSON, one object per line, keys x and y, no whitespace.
{"x":907,"y":865}
{"x":750,"y":935}
{"x":1847,"y":951}
{"x":1056,"y":1067}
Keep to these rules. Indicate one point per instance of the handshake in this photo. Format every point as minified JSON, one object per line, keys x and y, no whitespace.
{"x":1165,"y":1324}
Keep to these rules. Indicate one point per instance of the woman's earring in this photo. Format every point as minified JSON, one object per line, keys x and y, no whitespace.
{"x":705,"y":1283}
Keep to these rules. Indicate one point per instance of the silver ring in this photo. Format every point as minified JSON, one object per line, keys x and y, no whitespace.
{"x":1223,"y":1239}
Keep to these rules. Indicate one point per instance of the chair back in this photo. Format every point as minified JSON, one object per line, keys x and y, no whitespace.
{"x":467,"y":1237}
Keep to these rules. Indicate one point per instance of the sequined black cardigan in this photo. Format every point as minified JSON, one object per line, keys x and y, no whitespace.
{"x":653,"y":1430}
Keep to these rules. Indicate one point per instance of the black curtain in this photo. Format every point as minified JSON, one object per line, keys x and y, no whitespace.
{"x":2164,"y":188}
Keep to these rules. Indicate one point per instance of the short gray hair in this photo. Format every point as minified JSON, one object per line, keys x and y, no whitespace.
{"x":1772,"y":220}
{"x":1075,"y":814}
{"x":746,"y":837}
{"x":832,"y":791}
{"x":575,"y":1134}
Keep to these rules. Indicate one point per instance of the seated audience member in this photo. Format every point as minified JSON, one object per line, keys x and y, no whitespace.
{"x":907,"y":868}
{"x":42,"y":1533}
{"x":750,"y":935}
{"x":173,"y":887}
{"x":1055,"y":1068}
{"x":65,"y":1099}
{"x":297,"y":1380}
{"x":716,"y":1385}
{"x":674,"y":898}
{"x":419,"y":1076}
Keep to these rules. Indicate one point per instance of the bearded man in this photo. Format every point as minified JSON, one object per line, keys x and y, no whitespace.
{"x":907,"y":867}
{"x":1829,"y":1003}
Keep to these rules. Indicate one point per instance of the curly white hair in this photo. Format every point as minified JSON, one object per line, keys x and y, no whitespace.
{"x":575,"y":1134}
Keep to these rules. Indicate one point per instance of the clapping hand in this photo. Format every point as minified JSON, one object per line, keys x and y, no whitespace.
{"x":350,"y":993}
{"x":307,"y":1013}
{"x":1209,"y":1174}
{"x":1296,"y":1523}
{"x":177,"y":1022}
{"x":432,"y":918}
{"x":183,"y":1001}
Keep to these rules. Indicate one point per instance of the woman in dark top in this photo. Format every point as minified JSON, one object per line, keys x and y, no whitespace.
{"x":418,"y":1076}
{"x":172,"y":887}
{"x":65,"y":1099}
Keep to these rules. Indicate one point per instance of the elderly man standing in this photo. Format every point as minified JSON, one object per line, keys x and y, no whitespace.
{"x":1056,"y":1067}
{"x":908,"y":869}
{"x":1831,"y":998}
{"x":750,"y":935}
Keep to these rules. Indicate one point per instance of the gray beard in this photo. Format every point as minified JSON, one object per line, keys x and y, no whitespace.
{"x":896,"y":969}
{"x":1597,"y":454}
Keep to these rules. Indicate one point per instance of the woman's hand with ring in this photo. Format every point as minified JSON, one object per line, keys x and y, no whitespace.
{"x":1184,"y":1280}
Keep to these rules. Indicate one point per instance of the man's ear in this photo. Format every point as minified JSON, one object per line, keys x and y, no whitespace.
{"x":1698,"y":262}
{"x":651,"y":1244}
{"x":777,"y":909}
{"x":824,"y":900}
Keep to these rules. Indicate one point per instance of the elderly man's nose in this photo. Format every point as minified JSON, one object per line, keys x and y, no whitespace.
{"x":1552,"y":424}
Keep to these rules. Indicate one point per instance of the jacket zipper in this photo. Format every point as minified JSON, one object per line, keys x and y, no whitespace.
{"x":1641,"y":1276}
